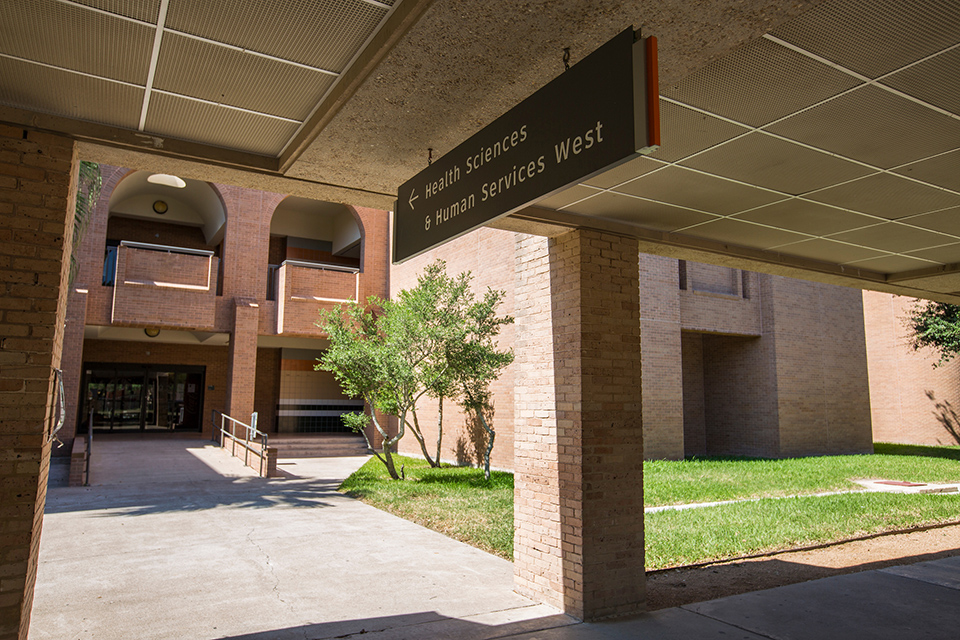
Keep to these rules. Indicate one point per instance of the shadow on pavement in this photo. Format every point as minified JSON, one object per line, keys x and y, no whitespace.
{"x":427,"y":625}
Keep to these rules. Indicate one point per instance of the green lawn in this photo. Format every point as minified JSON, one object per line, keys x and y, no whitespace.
{"x":456,"y":501}
{"x":459,"y":503}
{"x":715,"y":479}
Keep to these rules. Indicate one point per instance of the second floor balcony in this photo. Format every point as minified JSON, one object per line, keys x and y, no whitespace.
{"x":164,"y":286}
{"x":304,"y":287}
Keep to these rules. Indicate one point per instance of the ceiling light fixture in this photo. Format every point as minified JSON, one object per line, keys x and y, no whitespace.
{"x":160,"y":207}
{"x":167,"y":180}
{"x":152,"y":332}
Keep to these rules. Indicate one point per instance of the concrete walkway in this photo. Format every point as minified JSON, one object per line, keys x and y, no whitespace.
{"x":176,"y":540}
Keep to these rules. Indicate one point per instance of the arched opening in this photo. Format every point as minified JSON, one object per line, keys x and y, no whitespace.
{"x":316,"y":251}
{"x":313,"y":231}
{"x":153,"y":210}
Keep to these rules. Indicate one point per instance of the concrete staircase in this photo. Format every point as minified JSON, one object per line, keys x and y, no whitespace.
{"x":319,"y":445}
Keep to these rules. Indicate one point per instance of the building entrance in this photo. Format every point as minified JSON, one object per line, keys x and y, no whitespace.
{"x":132,"y":397}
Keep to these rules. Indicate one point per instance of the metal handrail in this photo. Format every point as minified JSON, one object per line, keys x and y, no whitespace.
{"x":166,"y":248}
{"x":251,"y":433}
{"x":61,"y":408}
{"x":322,"y":265}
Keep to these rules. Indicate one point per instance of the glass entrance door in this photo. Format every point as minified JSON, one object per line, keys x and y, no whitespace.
{"x":128,"y":398}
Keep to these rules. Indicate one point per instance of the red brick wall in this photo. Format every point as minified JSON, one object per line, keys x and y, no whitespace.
{"x":245,"y":251}
{"x":375,"y":254}
{"x":242,"y":370}
{"x":152,"y":232}
{"x":267,"y":389}
{"x":303,"y":291}
{"x":910,"y":400}
{"x":246,"y":243}
{"x":161,"y":289}
{"x":37,"y":187}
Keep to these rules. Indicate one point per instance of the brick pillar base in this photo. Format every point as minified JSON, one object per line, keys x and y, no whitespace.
{"x":242,"y":371}
{"x":579,"y":435}
{"x":37,"y":186}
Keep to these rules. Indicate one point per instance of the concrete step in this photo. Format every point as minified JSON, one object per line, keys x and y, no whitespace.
{"x":318,"y":446}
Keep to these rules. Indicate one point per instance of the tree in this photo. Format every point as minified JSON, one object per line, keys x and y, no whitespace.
{"x":433,"y":340}
{"x":89,"y":181}
{"x":437,"y":309}
{"x":368,"y":361}
{"x":935,"y":325}
{"x":475,"y":363}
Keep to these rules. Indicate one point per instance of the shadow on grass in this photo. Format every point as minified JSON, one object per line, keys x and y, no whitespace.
{"x":889,"y":449}
{"x":498,"y":479}
{"x":950,"y":452}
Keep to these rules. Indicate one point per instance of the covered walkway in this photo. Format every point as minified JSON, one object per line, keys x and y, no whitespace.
{"x":173,"y":539}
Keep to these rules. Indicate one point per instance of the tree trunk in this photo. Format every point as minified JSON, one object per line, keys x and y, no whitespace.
{"x":415,"y":429}
{"x":388,"y":443}
{"x":491,"y":435}
{"x":439,"y":428}
{"x":388,"y":462}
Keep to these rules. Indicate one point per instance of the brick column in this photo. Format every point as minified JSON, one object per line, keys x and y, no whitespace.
{"x":579,"y":434}
{"x":37,"y":186}
{"x":242,"y":369}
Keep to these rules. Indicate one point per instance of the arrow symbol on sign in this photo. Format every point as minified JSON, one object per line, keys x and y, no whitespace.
{"x":413,"y":196}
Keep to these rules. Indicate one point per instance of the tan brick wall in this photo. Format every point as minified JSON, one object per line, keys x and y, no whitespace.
{"x":911,"y":401}
{"x":660,"y":318}
{"x":538,"y":547}
{"x":37,"y":187}
{"x":740,"y":395}
{"x":823,"y":395}
{"x":719,"y":313}
{"x":712,"y":278}
{"x":694,"y":408}
{"x":582,"y":547}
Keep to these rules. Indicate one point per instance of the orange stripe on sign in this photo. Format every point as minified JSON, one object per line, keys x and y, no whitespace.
{"x":653,"y":92}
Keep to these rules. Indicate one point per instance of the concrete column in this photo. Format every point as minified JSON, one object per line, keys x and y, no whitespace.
{"x":242,"y":367}
{"x":579,"y":433}
{"x":37,"y":186}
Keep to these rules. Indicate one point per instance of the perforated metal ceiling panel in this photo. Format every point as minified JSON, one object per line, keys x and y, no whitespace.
{"x":244,"y":75}
{"x":831,"y":143}
{"x":816,"y":135}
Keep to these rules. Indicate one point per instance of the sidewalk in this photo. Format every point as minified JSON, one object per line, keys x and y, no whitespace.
{"x":176,"y":540}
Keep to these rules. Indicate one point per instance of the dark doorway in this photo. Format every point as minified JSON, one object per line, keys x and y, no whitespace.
{"x":133,"y":397}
